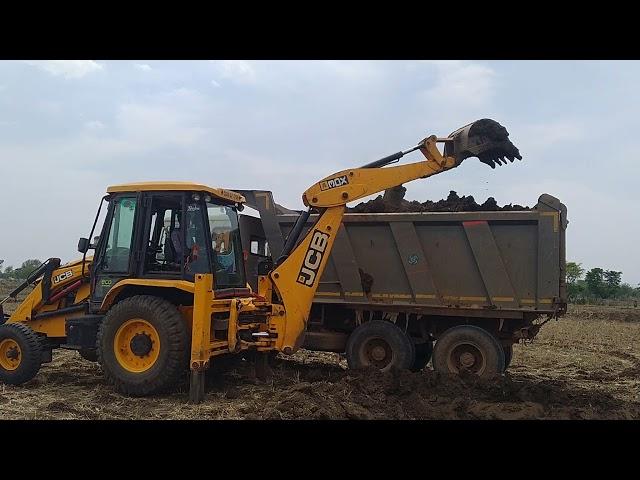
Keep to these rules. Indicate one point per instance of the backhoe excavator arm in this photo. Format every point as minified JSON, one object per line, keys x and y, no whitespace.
{"x":297,"y":272}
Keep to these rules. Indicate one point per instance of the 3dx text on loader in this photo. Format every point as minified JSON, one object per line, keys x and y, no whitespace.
{"x":165,"y":290}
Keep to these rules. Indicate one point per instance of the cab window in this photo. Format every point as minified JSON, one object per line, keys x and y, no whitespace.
{"x":118,"y":249}
{"x":228,"y":262}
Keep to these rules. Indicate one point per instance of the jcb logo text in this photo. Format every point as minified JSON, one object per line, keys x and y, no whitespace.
{"x":62,"y":276}
{"x":313,"y":258}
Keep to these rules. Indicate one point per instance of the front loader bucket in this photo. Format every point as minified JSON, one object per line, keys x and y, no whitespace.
{"x":485,"y":139}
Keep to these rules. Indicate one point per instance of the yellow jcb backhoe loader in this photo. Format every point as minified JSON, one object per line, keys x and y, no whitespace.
{"x":165,"y":290}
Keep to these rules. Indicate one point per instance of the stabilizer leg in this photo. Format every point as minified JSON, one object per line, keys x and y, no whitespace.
{"x":263,"y":369}
{"x":196,"y":386}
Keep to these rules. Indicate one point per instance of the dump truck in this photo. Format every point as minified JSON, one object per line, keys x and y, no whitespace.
{"x":428,"y":272}
{"x":151,"y":304}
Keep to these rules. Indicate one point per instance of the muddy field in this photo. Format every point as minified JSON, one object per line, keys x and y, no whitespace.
{"x":584,"y":366}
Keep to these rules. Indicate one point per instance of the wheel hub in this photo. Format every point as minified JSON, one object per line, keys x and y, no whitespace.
{"x":467,"y":356}
{"x":141,"y":344}
{"x":13,"y":353}
{"x":136,"y":345}
{"x":378,"y":353}
{"x":467,"y":359}
{"x":10,"y":354}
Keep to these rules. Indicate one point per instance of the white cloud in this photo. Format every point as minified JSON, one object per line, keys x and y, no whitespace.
{"x":143,"y":66}
{"x":67,"y":68}
{"x":215,"y":84}
{"x":238,"y":71}
{"x":94,"y":125}
{"x":152,"y":126}
{"x":460,"y":83}
{"x":536,"y":138}
{"x":355,"y":71}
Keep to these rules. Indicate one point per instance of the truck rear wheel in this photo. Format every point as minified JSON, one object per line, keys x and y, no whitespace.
{"x":20,"y":353}
{"x":423,"y":355}
{"x":381,"y":345}
{"x":468,"y":348}
{"x":143,"y":345}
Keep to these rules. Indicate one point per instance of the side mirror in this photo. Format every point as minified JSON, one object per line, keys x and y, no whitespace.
{"x":83,"y":245}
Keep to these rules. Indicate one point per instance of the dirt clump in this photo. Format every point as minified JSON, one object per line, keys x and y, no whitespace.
{"x":393,"y":202}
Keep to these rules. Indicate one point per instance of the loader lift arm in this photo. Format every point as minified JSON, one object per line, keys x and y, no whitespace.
{"x":296,"y":275}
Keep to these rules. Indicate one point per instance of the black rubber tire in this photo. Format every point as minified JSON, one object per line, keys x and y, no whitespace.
{"x":31,"y":350}
{"x":508,"y":355}
{"x":484,"y":342}
{"x":422,"y":356}
{"x":399,"y":344}
{"x":90,"y":354}
{"x":173,"y":358}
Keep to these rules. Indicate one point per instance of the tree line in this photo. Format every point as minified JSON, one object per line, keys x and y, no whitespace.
{"x":597,"y":284}
{"x":21,"y":272}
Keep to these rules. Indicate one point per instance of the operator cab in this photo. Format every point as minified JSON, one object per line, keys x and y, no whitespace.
{"x":168,"y":231}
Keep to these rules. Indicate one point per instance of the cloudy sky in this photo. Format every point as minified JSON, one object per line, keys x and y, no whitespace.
{"x":68,"y":129}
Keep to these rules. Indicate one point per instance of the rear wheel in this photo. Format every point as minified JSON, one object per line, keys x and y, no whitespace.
{"x":381,"y":345}
{"x":20,"y":353}
{"x":143,"y":345}
{"x":423,"y":355}
{"x":468,"y":348}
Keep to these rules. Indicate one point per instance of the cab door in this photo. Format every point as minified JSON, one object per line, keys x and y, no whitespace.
{"x":115,"y":258}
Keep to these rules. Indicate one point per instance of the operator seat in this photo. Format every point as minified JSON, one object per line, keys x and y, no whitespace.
{"x":173,"y":247}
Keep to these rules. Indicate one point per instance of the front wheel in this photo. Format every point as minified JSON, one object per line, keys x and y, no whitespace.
{"x":143,"y":345}
{"x":20,"y":353}
{"x":470,"y":349}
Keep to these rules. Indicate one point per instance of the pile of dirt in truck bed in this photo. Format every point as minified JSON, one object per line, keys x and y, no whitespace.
{"x":393,"y":202}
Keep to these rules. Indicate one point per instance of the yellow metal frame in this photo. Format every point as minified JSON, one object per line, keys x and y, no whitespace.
{"x":33,"y":304}
{"x":221,"y":193}
{"x":115,"y":290}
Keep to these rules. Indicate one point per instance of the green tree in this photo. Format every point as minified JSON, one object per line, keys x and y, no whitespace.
{"x":578,"y":291}
{"x":26,"y":268}
{"x":626,"y":291}
{"x":612,"y":280}
{"x":574,"y":272}
{"x":595,"y":282}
